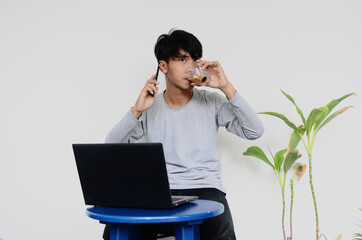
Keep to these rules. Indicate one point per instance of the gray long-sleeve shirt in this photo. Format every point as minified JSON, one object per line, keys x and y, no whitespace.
{"x":189,"y":134}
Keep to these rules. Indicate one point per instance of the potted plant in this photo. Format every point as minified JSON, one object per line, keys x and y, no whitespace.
{"x":308,"y":131}
{"x":283,"y":162}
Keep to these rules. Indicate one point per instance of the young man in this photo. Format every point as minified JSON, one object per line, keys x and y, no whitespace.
{"x":186,"y":120}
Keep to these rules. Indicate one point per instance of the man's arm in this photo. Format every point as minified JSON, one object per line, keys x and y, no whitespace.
{"x":238,"y":117}
{"x":130,"y":129}
{"x":235,"y":114}
{"x":229,"y":91}
{"x":146,"y":98}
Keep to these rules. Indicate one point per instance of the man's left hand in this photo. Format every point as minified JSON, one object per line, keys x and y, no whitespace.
{"x":218,"y":77}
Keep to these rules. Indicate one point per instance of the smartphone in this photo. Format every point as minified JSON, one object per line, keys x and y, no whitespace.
{"x":158,"y":69}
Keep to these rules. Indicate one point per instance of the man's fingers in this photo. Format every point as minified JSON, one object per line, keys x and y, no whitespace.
{"x":151,"y":89}
{"x":152,"y":81}
{"x":201,"y":63}
{"x":210,"y":64}
{"x":207,"y":64}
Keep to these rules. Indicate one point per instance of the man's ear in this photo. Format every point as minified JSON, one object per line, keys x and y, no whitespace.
{"x":163,"y":66}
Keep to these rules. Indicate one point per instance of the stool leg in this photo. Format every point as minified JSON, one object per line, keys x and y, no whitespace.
{"x":187,"y":230}
{"x":196,"y":232}
{"x":124,"y":232}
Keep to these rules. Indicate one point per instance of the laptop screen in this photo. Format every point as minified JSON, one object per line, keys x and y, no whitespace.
{"x":123,"y":175}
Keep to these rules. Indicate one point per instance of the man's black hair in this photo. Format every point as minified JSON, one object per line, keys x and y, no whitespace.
{"x":169,"y":45}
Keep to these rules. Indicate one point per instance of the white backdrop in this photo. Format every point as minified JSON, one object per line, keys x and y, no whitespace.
{"x":70,"y":69}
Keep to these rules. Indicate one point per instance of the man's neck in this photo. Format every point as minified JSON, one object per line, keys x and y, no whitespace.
{"x":175,"y":97}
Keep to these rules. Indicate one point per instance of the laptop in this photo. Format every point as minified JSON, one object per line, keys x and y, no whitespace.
{"x":125,"y":175}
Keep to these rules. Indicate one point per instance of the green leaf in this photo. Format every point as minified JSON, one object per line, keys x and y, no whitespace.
{"x":320,"y":118}
{"x":258,"y":153}
{"x":357,"y":236}
{"x":328,"y":109}
{"x":310,"y":121}
{"x":279,"y":158}
{"x":295,"y":138}
{"x":290,"y":158}
{"x":298,"y":109}
{"x":335,"y":114}
{"x":335,"y":102}
{"x":282,"y":117}
{"x":313,"y":116}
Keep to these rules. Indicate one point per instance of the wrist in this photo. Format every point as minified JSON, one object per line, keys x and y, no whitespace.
{"x":135,"y":112}
{"x":229,"y":91}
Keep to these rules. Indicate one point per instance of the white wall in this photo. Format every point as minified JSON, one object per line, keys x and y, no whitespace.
{"x":69,"y":70}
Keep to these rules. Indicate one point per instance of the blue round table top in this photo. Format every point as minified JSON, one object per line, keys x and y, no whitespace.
{"x":197,"y":210}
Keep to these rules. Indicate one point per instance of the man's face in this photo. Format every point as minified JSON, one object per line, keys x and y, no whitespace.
{"x":178,"y":69}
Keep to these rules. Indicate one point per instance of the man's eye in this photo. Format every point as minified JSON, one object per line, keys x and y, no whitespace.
{"x":182,"y":59}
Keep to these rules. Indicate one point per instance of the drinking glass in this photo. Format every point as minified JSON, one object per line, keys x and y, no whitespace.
{"x":199,"y":75}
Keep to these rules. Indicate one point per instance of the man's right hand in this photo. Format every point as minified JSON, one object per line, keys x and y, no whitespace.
{"x":146,"y":98}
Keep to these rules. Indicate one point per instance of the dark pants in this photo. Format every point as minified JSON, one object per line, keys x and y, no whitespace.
{"x":217,"y":228}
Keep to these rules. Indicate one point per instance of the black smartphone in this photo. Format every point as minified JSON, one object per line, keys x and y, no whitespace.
{"x":158,"y":69}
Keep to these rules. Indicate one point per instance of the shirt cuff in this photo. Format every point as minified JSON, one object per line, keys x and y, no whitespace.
{"x":132,"y":118}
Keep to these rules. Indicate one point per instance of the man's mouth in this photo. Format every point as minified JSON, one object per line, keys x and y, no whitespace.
{"x":199,"y":79}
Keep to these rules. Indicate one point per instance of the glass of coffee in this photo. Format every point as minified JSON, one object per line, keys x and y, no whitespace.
{"x":199,"y":75}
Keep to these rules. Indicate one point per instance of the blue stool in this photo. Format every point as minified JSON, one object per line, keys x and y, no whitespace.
{"x":124,"y":222}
